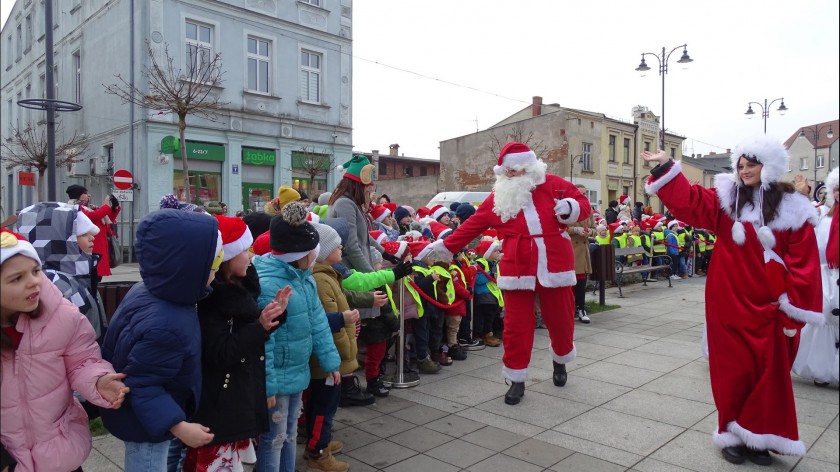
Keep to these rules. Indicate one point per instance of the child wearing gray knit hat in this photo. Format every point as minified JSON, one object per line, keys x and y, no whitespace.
{"x":330,"y":241}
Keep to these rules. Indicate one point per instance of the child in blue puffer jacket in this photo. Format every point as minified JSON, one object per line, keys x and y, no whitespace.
{"x":294,"y":249}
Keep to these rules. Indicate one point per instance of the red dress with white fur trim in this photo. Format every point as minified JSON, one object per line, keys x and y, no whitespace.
{"x":749,"y":353}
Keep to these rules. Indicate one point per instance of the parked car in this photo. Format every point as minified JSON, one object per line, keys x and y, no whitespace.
{"x":447,"y":198}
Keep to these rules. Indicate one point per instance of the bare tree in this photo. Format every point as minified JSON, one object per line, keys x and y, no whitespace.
{"x":314,"y":164}
{"x":182,"y":92}
{"x":516,"y":134}
{"x":28,"y":148}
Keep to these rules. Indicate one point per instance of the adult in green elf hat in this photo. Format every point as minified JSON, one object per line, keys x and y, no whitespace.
{"x":359,"y":169}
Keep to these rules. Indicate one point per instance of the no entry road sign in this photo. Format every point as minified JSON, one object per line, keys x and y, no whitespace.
{"x":123,"y":179}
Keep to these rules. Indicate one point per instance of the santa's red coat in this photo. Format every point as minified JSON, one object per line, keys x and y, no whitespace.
{"x":535,"y":243}
{"x":749,"y":355}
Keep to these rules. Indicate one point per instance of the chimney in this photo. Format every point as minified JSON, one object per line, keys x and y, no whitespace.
{"x":394,"y":149}
{"x":536,"y":106}
{"x":712,"y":153}
{"x":728,"y":151}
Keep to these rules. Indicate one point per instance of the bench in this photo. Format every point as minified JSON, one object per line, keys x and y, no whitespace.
{"x":630,"y":260}
{"x":112,"y":293}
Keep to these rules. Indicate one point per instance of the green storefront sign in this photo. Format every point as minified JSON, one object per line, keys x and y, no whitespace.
{"x":195,"y":150}
{"x":259,"y":157}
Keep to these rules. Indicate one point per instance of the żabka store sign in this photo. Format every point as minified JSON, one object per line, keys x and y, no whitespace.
{"x":259,"y":157}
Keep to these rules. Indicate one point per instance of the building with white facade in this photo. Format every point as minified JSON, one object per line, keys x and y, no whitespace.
{"x":287,"y":90}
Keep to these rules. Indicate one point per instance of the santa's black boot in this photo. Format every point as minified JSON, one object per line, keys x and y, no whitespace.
{"x":560,"y":376}
{"x":515,"y":393}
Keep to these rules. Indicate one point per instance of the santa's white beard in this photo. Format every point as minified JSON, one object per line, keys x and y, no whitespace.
{"x":512,"y":194}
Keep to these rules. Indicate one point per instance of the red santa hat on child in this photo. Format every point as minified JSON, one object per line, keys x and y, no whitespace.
{"x":423,"y":212}
{"x":673,"y":223}
{"x":489,"y":235}
{"x":396,"y":248}
{"x":12,"y":244}
{"x":624,"y":200}
{"x":377,"y":235}
{"x":313,"y":218}
{"x":261,"y":244}
{"x":437,"y":211}
{"x":391,"y":206}
{"x":379,"y":212}
{"x":485,"y":248}
{"x":514,"y":156}
{"x":439,"y":230}
{"x":236,"y":237}
{"x":417,"y":247}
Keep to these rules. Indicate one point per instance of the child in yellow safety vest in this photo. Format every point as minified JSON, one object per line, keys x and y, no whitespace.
{"x":428,"y":281}
{"x":488,"y":296}
{"x":453,"y":316}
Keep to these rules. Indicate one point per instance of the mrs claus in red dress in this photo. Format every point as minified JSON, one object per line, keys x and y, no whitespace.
{"x":763,"y":285}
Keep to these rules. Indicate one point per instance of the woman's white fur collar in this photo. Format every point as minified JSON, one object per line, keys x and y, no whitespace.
{"x":794,"y":211}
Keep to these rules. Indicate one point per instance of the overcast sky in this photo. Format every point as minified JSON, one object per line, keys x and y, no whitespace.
{"x":431,"y":70}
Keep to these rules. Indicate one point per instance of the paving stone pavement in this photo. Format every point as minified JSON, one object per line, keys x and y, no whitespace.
{"x":638,"y":399}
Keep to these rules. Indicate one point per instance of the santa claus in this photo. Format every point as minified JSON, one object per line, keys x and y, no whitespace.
{"x":530,"y":210}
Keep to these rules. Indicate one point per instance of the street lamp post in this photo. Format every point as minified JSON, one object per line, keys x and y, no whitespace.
{"x":663,"y":70}
{"x":815,"y":134}
{"x":572,"y":166}
{"x":765,"y":110}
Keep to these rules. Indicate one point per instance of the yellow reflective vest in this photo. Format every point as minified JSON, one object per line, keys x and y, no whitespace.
{"x":494,"y":289}
{"x":659,"y":242}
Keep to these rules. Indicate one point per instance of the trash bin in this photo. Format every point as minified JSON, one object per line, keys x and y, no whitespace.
{"x":603,"y":264}
{"x":112,"y":293}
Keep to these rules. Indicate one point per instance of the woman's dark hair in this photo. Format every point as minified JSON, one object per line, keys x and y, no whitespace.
{"x":385,"y":196}
{"x":772,"y":197}
{"x":355,"y":190}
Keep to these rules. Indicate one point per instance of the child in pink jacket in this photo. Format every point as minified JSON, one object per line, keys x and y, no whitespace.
{"x":48,"y":349}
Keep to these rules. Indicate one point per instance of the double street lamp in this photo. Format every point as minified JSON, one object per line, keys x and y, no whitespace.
{"x":815,"y":132}
{"x":765,"y":110}
{"x":663,"y":70}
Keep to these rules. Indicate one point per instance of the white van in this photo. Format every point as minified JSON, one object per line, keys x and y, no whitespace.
{"x":447,"y":198}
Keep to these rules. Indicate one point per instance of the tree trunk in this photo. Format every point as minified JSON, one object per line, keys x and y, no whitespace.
{"x":182,"y":125}
{"x":40,"y":187}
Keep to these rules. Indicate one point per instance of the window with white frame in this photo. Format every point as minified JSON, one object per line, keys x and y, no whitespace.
{"x":9,"y":112}
{"x":42,"y":83}
{"x":18,"y":114}
{"x":803,"y":163}
{"x":28,"y":111}
{"x":199,"y":39}
{"x":77,"y":78}
{"x":259,"y":63}
{"x":820,"y":161}
{"x":10,"y":49}
{"x":317,"y":3}
{"x":310,"y":76}
{"x":587,"y":156}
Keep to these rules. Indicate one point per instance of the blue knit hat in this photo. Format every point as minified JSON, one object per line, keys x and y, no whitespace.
{"x":401,"y":213}
{"x":464,"y":211}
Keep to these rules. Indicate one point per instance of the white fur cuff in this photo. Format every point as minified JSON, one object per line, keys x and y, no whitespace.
{"x":566,"y":358}
{"x":796,"y":313}
{"x":779,"y":444}
{"x":567,"y":211}
{"x":654,"y":186}
{"x":515,"y":375}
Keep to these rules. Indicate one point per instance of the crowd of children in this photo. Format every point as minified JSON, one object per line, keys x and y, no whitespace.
{"x":242,"y":325}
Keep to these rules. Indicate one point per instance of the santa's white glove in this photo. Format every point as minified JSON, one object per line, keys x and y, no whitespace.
{"x":567,"y":211}
{"x":789,"y":332}
{"x":562,"y":208}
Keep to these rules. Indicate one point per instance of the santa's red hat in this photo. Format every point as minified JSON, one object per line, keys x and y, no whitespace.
{"x":437,"y":211}
{"x":624,"y":200}
{"x":379,"y":212}
{"x":439,"y":230}
{"x":485,"y":248}
{"x":396,"y":248}
{"x":236,"y":237}
{"x":423,"y":212}
{"x":377,"y":236}
{"x":514,"y":156}
{"x":261,"y":244}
